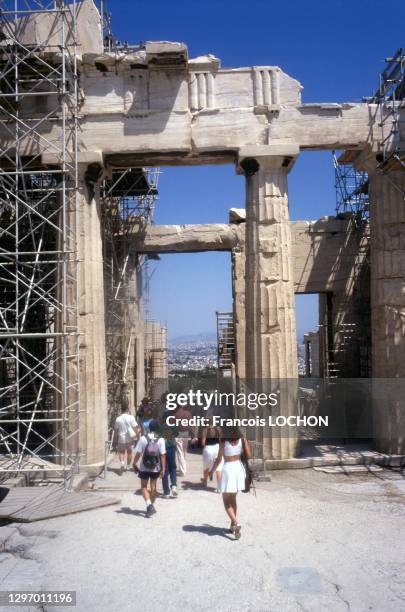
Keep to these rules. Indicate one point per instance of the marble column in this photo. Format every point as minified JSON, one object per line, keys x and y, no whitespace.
{"x":238,"y":295}
{"x":93,"y":378}
{"x":270,"y":341}
{"x":128,"y":330}
{"x":140,"y":389}
{"x":387,"y":219}
{"x":134,"y":334}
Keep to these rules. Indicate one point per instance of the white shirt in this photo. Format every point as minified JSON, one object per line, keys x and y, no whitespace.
{"x":123,"y":424}
{"x":142,"y":444}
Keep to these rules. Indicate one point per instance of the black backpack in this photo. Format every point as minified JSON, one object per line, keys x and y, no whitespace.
{"x":151,"y":455}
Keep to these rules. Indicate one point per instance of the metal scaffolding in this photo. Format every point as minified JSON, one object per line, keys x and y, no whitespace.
{"x":225,"y":340}
{"x":111,"y":43}
{"x":128,"y":201}
{"x":351,"y":187}
{"x":390,"y":96}
{"x":39,"y":348}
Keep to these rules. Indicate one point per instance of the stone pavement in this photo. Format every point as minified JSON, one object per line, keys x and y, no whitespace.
{"x":311,"y":541}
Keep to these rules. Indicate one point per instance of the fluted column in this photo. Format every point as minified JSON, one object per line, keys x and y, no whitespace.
{"x":387,"y":219}
{"x":130,"y":319}
{"x":271,"y":351}
{"x":134,"y":368}
{"x":238,"y":294}
{"x":93,"y":378}
{"x":140,"y":340}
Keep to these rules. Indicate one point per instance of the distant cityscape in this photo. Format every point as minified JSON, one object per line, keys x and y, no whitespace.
{"x":199,"y":352}
{"x":193,"y":353}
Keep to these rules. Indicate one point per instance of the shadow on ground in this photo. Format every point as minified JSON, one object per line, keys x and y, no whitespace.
{"x":193,"y":486}
{"x":208,"y":530}
{"x":117,"y":470}
{"x":127,"y":510}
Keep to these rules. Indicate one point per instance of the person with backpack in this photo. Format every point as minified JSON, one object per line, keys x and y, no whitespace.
{"x":151,"y":449}
{"x":169,"y":433}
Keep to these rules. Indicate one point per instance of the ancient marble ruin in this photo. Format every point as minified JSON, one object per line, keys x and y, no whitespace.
{"x":153,"y":105}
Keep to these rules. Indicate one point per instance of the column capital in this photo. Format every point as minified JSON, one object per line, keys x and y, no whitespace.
{"x":90,"y":162}
{"x":90,"y":175}
{"x":253,"y":157}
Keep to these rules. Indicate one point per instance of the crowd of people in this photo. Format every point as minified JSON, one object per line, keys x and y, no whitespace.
{"x":161,"y":452}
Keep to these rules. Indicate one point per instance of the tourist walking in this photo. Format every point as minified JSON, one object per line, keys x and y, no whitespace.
{"x":169,"y":434}
{"x":186,"y":432}
{"x":152,"y":451}
{"x":143,"y":406}
{"x":233,"y":478}
{"x":148,"y":417}
{"x":126,"y":431}
{"x":210,"y":442}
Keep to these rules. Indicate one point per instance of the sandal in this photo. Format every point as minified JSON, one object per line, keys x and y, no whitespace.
{"x":203,"y":481}
{"x":236,"y":530}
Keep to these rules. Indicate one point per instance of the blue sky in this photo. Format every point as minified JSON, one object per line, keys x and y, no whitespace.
{"x":334,"y":48}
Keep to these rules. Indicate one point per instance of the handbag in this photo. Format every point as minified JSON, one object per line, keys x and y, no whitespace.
{"x":131,"y":433}
{"x":248,"y":473}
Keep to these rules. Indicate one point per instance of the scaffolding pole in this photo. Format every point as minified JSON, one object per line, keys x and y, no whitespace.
{"x":225,"y":340}
{"x":389,"y":97}
{"x":351,"y":188}
{"x":128,"y":200}
{"x":39,"y":344}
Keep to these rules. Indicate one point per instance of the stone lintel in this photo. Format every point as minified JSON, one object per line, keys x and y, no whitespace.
{"x":170,"y":158}
{"x":88,"y":157}
{"x":188,"y":238}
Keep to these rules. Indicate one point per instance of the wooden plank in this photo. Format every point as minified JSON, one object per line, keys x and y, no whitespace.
{"x":52,"y":513}
{"x":36,"y":504}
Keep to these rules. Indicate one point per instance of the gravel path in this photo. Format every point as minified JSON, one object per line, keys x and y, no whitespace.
{"x":311,"y":541}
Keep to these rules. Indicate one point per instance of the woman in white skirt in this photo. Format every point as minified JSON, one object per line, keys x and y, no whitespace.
{"x":210,"y":442}
{"x":231,"y":447}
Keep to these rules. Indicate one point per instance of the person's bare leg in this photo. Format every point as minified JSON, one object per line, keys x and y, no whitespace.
{"x":204,"y":479}
{"x":129,"y":456}
{"x":183,"y":462}
{"x":121,"y":457}
{"x":144,"y":490}
{"x":234,"y":506}
{"x":180,"y":459}
{"x":229,"y":506}
{"x":236,"y":528}
{"x":153,"y":490}
{"x":218,"y":475}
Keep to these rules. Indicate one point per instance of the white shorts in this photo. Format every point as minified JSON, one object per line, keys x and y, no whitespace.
{"x":123,"y":446}
{"x":210,"y":453}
